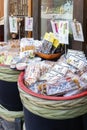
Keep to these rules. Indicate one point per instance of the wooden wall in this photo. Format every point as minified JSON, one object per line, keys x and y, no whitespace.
{"x":1,"y":8}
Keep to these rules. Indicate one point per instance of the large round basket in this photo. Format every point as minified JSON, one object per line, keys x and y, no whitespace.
{"x":52,"y":107}
{"x":10,"y":103}
{"x":7,"y":74}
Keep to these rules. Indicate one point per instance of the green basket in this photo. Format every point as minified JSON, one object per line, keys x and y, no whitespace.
{"x":10,"y":115}
{"x":51,"y":107}
{"x":7,"y":74}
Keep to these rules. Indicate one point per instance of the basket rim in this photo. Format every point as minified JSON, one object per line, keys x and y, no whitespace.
{"x":28,"y":91}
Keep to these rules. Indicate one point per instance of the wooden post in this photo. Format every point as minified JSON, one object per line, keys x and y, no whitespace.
{"x":37,"y":19}
{"x":29,"y":14}
{"x":1,"y":8}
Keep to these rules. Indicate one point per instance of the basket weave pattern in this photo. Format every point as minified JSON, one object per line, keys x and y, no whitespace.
{"x":8,"y":74}
{"x":60,"y":108}
{"x":10,"y":115}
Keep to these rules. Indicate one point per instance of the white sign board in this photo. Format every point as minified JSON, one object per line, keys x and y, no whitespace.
{"x":28,"y":23}
{"x":13,"y":24}
{"x":77,"y":31}
{"x":61,"y":31}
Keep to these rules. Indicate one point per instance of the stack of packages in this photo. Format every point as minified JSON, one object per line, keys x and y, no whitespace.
{"x":50,"y":44}
{"x":8,"y":51}
{"x":66,"y":77}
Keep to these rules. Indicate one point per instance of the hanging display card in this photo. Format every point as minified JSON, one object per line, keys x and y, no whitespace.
{"x":28,"y":23}
{"x":55,"y":25}
{"x":77,"y":31}
{"x":64,"y":32}
{"x":13,"y":24}
{"x":61,"y":31}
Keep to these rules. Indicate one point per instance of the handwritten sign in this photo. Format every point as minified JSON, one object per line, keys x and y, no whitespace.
{"x":13,"y":24}
{"x":77,"y":31}
{"x":28,"y":24}
{"x":61,"y":31}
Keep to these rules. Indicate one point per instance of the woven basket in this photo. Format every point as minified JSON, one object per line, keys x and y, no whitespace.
{"x":10,"y":115}
{"x":48,"y":56}
{"x":7,"y":74}
{"x":52,"y":107}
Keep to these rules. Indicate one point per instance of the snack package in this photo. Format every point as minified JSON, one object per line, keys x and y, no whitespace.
{"x":73,"y":92}
{"x":39,"y":87}
{"x":47,"y":43}
{"x":60,"y":87}
{"x":32,"y":74}
{"x":60,"y":69}
{"x":77,"y":62}
{"x":34,"y":71}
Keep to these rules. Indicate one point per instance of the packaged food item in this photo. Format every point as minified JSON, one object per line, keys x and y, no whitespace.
{"x":60,"y":69}
{"x":60,"y":87}
{"x":34,"y":71}
{"x":77,"y":62}
{"x":38,"y":87}
{"x":83,"y":77}
{"x":47,"y":43}
{"x":73,"y":92}
{"x":75,"y":52}
{"x":32,"y":74}
{"x":55,"y":46}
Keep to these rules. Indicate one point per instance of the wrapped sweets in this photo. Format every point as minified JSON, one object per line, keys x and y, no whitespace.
{"x":35,"y":70}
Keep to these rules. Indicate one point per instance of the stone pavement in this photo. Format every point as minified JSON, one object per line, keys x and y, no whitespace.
{"x":1,"y":128}
{"x":5,"y":125}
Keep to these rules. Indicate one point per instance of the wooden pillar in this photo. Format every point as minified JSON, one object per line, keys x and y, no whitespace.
{"x":1,"y":8}
{"x":78,"y":14}
{"x":37,"y":19}
{"x":29,"y":14}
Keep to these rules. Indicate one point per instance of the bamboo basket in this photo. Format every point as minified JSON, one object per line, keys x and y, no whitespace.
{"x":48,"y":56}
{"x":7,"y":74}
{"x":51,"y":107}
{"x":10,"y":115}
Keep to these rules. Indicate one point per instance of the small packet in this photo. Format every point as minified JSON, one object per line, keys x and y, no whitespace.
{"x":47,"y":43}
{"x":60,"y":87}
{"x":38,"y":87}
{"x":76,"y":62}
{"x":60,"y":69}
